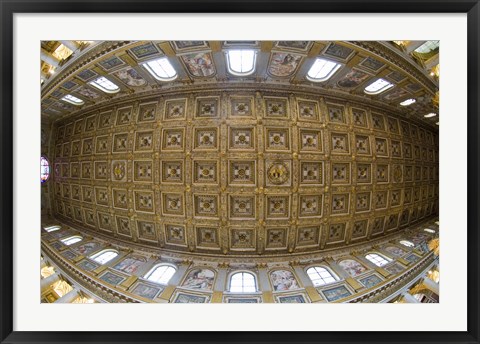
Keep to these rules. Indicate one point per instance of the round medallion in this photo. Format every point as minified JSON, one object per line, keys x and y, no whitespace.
{"x":278,"y":173}
{"x":397,"y":174}
{"x":119,"y":171}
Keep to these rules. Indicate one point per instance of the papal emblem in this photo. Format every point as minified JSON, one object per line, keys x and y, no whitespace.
{"x":278,"y":173}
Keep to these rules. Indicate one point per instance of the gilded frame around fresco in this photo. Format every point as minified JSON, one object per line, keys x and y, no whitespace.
{"x":10,"y":7}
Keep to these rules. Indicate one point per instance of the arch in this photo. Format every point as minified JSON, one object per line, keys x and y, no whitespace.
{"x":243,"y":282}
{"x":200,"y":279}
{"x":377,"y":259}
{"x":394,"y":250}
{"x":104,"y":256}
{"x":320,"y":275}
{"x":161,"y":273}
{"x":71,"y":240}
{"x":352,"y":267}
{"x":283,"y":280}
{"x":130,"y":264}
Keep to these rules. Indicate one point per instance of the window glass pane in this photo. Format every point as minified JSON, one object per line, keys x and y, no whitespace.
{"x":427,"y":47}
{"x":376,"y":259}
{"x":322,"y":70}
{"x":408,"y":102}
{"x":242,"y":282}
{"x":407,"y":243}
{"x":161,"y":274}
{"x":71,"y":240}
{"x":105,"y":85}
{"x":52,"y":228}
{"x":161,"y":69}
{"x":104,"y":256}
{"x":71,"y":99}
{"x":378,"y":86}
{"x":241,"y":62}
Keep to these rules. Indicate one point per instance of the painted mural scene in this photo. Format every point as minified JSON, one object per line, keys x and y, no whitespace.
{"x":240,"y":172}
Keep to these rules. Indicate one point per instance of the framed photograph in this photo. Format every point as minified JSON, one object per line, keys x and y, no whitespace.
{"x":206,"y":167}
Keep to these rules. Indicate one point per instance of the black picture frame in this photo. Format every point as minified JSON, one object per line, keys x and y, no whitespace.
{"x":10,"y":7}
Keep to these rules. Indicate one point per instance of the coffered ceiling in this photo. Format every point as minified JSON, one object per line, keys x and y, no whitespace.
{"x":264,"y":158}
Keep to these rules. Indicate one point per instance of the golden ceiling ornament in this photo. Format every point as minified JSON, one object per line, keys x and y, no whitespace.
{"x":278,"y":173}
{"x":436,"y":99}
{"x":434,"y":245}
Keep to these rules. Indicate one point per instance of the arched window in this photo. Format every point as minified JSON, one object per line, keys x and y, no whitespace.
{"x":408,"y":102}
{"x":322,"y":70}
{"x":161,"y":69}
{"x":320,"y":276}
{"x":161,"y":274}
{"x":52,"y":228}
{"x":378,"y":86}
{"x":243,"y":282}
{"x":44,"y":169}
{"x":241,"y":61}
{"x":72,"y":240}
{"x":429,"y":230}
{"x":105,"y":85}
{"x":377,"y":259}
{"x":407,"y":243}
{"x":104,"y":256}
{"x":73,"y":100}
{"x":428,"y":47}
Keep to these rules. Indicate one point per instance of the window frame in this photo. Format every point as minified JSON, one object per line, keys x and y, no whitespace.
{"x":333,"y":275}
{"x":409,"y":245}
{"x":65,"y":240}
{"x":95,"y":84}
{"x":65,"y":99}
{"x":102,"y":252}
{"x":150,"y":70}
{"x":255,"y":280}
{"x":234,"y":73}
{"x":388,"y":86}
{"x":157,"y":266}
{"x":52,"y":228}
{"x":329,"y":74}
{"x":382,"y":256}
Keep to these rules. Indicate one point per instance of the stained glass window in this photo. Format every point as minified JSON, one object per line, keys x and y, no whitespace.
{"x":44,"y":169}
